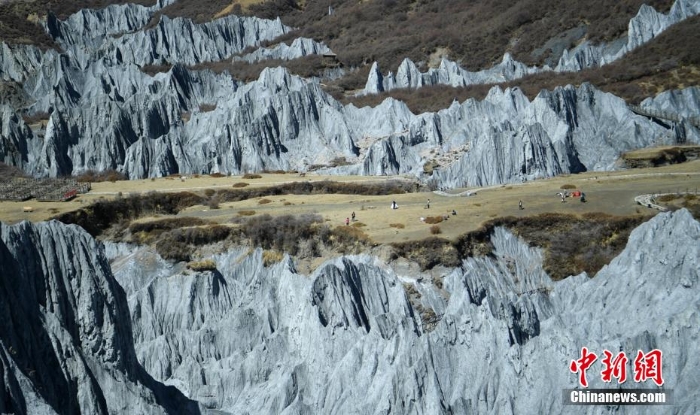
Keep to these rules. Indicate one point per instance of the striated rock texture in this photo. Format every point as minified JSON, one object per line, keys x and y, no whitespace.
{"x":448,"y":73}
{"x":300,"y":47}
{"x":137,"y":124}
{"x":250,"y":339}
{"x":645,"y":26}
{"x":102,"y":112}
{"x":66,"y":343}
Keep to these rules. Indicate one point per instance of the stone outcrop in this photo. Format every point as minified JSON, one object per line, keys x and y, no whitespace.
{"x":346,"y":339}
{"x":102,"y":112}
{"x":645,"y":26}
{"x":152,"y":126}
{"x":300,"y":47}
{"x":448,"y":73}
{"x":66,"y":343}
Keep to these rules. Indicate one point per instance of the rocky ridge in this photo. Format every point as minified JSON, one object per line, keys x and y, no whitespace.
{"x":346,"y":339}
{"x":298,"y":48}
{"x":66,"y":343}
{"x":135,"y":124}
{"x":102,"y":112}
{"x":645,"y":26}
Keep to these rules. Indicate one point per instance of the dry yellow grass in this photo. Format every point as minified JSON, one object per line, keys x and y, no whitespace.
{"x":612,"y":193}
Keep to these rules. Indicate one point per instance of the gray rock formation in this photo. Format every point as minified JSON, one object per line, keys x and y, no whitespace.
{"x":300,"y":47}
{"x":66,"y":342}
{"x":347,"y":339}
{"x":135,"y":124}
{"x":645,"y":26}
{"x":449,"y":73}
{"x":104,"y":113}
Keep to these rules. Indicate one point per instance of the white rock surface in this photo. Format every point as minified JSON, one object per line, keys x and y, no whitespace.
{"x":347,"y":340}
{"x":66,"y":342}
{"x":107,"y":114}
{"x":300,"y":47}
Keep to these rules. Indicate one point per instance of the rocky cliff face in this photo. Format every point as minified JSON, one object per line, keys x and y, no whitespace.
{"x":346,"y":339}
{"x":102,"y":112}
{"x":66,"y":343}
{"x":152,"y":126}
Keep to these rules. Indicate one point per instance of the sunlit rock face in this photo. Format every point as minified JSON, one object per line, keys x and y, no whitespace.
{"x":347,"y":339}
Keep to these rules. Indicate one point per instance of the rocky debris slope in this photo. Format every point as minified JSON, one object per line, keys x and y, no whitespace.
{"x":645,"y":26}
{"x":348,"y":340}
{"x":66,"y":343}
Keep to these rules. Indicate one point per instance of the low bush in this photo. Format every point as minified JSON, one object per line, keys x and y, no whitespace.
{"x":282,"y":233}
{"x":103,"y":213}
{"x":567,"y":186}
{"x":430,"y":220}
{"x":429,"y":252}
{"x":240,"y":184}
{"x":435,"y":229}
{"x":346,"y":239}
{"x":166,"y":224}
{"x":271,"y":257}
{"x":246,"y":212}
{"x":204,"y":265}
{"x":397,"y":225}
{"x":264,"y":201}
{"x":217,"y":175}
{"x":92,"y":176}
{"x":252,"y":176}
{"x":320,"y":187}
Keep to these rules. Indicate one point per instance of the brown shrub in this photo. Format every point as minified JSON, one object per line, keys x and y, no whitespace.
{"x":282,"y":233}
{"x":166,"y":224}
{"x":217,"y":175}
{"x":103,"y":213}
{"x":271,"y":257}
{"x":213,"y":203}
{"x":429,"y":252}
{"x":92,"y":176}
{"x":240,"y":184}
{"x":246,"y":212}
{"x":204,"y":265}
{"x":435,"y":229}
{"x":347,"y":239}
{"x":567,"y":186}
{"x":430,"y":220}
{"x":250,"y":176}
{"x":397,"y":225}
{"x":7,"y":171}
{"x":264,"y":201}
{"x":666,"y":198}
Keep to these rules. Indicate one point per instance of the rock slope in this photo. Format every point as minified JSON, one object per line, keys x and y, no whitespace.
{"x":645,"y":26}
{"x":99,"y":111}
{"x":66,"y":343}
{"x":348,"y":340}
